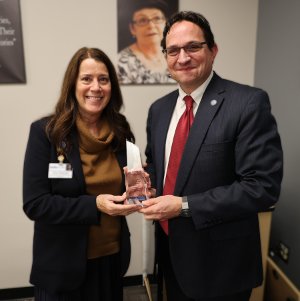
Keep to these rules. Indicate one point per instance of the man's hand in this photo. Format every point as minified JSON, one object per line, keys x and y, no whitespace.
{"x":161,"y":208}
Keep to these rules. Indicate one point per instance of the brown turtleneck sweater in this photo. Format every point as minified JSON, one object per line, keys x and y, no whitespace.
{"x":102,"y":176}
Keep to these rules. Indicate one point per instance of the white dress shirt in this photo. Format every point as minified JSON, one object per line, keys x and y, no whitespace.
{"x":178,"y":111}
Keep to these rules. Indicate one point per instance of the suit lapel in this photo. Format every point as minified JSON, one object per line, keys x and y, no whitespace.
{"x":210,"y":104}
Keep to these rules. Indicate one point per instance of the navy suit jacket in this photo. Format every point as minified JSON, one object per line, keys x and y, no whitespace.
{"x":231,"y":169}
{"x":62,"y":212}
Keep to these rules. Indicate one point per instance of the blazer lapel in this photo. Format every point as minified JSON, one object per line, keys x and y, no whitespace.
{"x":74,"y":158}
{"x":210,"y":104}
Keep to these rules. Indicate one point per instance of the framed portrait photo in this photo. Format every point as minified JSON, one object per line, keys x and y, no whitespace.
{"x":140,"y":31}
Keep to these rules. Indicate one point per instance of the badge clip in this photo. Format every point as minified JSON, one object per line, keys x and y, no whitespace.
{"x":61,"y":159}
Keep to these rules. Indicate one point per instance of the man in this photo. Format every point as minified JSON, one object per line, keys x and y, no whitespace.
{"x":208,"y":197}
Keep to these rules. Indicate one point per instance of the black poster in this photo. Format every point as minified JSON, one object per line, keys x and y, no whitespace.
{"x":12,"y":67}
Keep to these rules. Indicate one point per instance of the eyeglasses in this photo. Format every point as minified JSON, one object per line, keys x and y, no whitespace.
{"x":189,"y":49}
{"x":145,"y":21}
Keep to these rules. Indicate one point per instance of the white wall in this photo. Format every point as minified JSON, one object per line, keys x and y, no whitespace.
{"x":52,"y":31}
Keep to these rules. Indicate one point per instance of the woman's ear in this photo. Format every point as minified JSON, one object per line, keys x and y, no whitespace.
{"x":132,"y":30}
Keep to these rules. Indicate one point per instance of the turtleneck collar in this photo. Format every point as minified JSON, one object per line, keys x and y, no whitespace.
{"x":90,"y":143}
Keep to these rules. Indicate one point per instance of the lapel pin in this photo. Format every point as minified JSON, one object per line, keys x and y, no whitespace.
{"x":213,"y":102}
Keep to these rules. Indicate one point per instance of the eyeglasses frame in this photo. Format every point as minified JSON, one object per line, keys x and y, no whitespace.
{"x":159,"y":21}
{"x":178,"y":49}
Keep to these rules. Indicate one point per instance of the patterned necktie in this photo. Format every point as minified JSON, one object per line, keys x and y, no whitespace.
{"x":181,"y":133}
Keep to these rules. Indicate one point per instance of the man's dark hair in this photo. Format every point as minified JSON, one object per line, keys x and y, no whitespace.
{"x":193,"y":17}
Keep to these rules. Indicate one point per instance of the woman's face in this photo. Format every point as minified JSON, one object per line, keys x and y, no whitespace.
{"x":148,"y":25}
{"x":93,"y":88}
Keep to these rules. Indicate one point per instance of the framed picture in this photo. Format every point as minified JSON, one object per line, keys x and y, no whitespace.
{"x":12,"y":67}
{"x":140,"y":30}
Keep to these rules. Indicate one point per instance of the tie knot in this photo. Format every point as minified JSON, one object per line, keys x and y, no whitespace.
{"x":188,"y":101}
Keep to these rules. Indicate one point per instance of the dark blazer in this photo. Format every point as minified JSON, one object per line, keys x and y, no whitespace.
{"x":62,"y":212}
{"x":231,"y":169}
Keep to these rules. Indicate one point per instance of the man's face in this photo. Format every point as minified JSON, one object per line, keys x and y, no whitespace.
{"x":189,"y":69}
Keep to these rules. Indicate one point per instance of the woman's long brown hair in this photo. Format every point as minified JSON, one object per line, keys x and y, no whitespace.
{"x":61,"y":123}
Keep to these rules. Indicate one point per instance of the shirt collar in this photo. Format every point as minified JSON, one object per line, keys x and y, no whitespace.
{"x":198,"y":93}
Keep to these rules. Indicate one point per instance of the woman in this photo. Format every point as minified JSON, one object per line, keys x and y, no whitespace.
{"x":73,"y":184}
{"x":143,"y":61}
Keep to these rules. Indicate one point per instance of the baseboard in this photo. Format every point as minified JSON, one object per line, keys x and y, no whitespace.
{"x":27,"y":292}
{"x":278,"y":285}
{"x":16,"y":293}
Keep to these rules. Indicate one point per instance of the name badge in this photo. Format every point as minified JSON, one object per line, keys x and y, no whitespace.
{"x":60,"y":171}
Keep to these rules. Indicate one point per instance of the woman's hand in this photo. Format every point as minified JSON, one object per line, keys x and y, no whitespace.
{"x":114,"y":205}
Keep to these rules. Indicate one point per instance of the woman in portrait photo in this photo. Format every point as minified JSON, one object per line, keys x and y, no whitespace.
{"x":142,"y":62}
